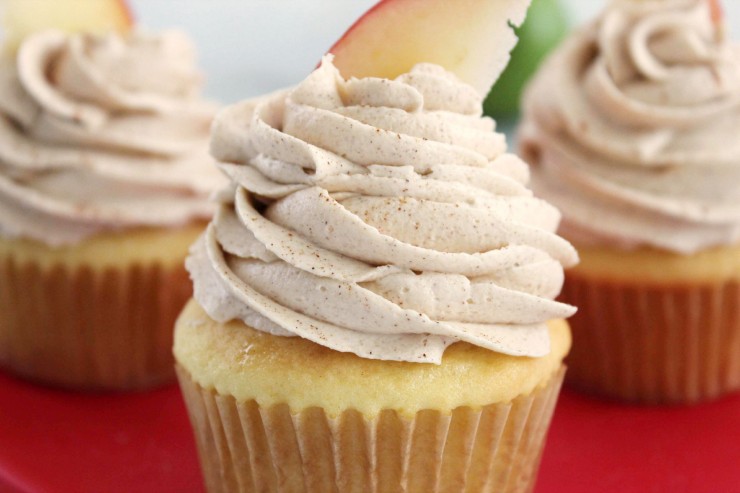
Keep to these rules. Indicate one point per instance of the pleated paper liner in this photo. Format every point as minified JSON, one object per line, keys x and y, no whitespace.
{"x":246,"y":448}
{"x":652,"y":344}
{"x":90,"y":329}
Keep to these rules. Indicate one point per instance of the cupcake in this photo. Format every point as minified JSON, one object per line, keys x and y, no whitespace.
{"x":630,"y":128}
{"x":104,"y":183}
{"x":374,"y":298}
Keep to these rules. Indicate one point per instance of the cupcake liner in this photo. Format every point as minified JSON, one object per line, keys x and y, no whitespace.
{"x":244,"y":447}
{"x":654,"y":344}
{"x":87,"y":329}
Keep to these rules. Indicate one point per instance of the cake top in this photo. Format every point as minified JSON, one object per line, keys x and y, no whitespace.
{"x":247,"y":364}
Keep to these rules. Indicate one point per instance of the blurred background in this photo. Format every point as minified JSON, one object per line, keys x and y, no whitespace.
{"x":249,"y":47}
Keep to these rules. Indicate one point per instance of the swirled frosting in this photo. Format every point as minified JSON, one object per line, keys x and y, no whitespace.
{"x":379,"y":217}
{"x":102,"y":133}
{"x":631,"y":128}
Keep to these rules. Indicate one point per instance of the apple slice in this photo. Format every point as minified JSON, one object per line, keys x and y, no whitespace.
{"x":23,"y":17}
{"x":718,"y":15}
{"x":472,"y":38}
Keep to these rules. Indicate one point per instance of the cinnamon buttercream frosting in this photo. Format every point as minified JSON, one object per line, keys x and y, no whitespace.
{"x":631,"y":127}
{"x":379,"y":217}
{"x":101,"y":133}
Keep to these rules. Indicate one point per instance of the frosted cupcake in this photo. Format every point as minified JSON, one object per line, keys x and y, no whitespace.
{"x":104,"y":182}
{"x":374,"y":298}
{"x":630,"y":128}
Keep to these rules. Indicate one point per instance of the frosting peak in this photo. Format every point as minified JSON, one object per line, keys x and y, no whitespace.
{"x":380,"y":217}
{"x":101,"y":133}
{"x":631,"y":124}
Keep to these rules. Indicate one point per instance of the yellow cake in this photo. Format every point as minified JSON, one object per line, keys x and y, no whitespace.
{"x":389,"y":419}
{"x":96,"y":315}
{"x":655,"y":326}
{"x":236,"y":360}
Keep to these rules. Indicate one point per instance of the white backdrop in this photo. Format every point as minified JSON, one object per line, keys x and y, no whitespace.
{"x":249,"y":47}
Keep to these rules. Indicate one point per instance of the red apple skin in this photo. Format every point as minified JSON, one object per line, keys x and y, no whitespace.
{"x":718,"y":14}
{"x":127,"y":12}
{"x":340,"y":42}
{"x":373,"y":11}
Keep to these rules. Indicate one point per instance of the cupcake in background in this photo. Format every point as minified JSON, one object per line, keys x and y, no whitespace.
{"x":631,"y":128}
{"x":374,"y":300}
{"x":104,"y":183}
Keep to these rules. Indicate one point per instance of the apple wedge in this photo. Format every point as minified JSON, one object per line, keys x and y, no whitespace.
{"x":718,"y":14}
{"x":472,"y":38}
{"x":23,"y":17}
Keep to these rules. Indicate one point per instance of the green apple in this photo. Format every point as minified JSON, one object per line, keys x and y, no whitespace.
{"x":544,"y":28}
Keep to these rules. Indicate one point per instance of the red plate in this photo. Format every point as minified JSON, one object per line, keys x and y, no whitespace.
{"x":52,"y":441}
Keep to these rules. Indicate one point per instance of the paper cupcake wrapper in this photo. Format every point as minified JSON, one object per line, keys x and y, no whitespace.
{"x":654,"y":344}
{"x":247,"y":448}
{"x":90,"y":330}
